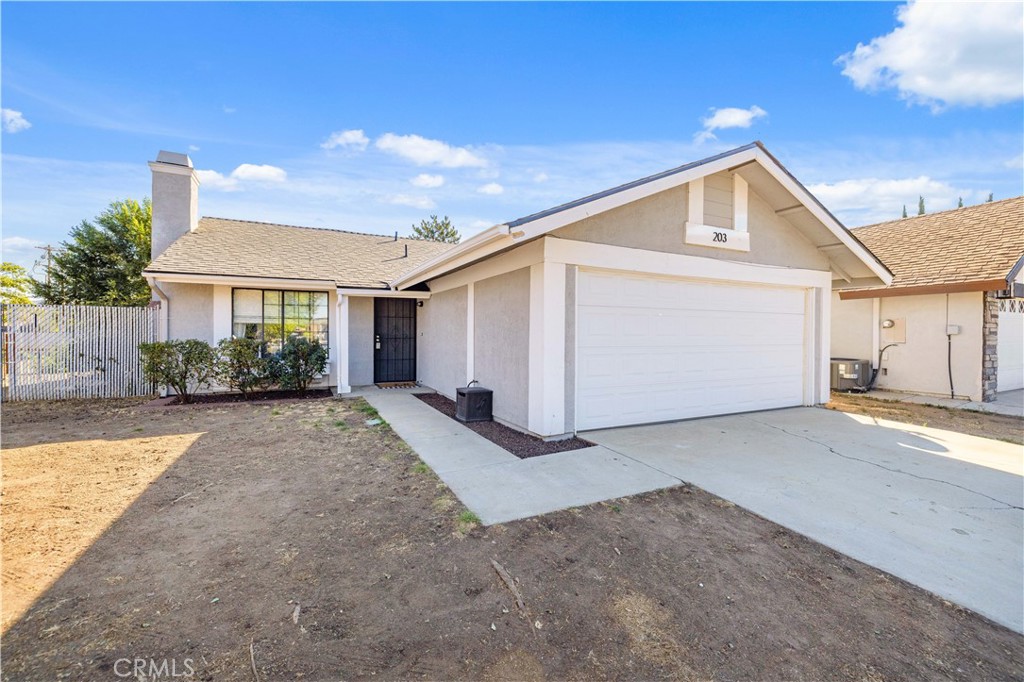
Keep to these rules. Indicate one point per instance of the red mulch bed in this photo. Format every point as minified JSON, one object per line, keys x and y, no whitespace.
{"x":520,"y":444}
{"x":260,"y":397}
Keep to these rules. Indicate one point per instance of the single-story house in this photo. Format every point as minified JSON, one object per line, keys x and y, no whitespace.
{"x":702,"y":290}
{"x":951,"y":323}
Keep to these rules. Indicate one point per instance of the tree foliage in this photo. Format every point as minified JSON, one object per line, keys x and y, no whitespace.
{"x":241,"y":366}
{"x":302,"y":361}
{"x":102,"y":262}
{"x":920,"y":205}
{"x":187,"y":366}
{"x":15,"y":284}
{"x":436,"y":230}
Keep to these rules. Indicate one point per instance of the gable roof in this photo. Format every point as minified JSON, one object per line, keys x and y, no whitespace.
{"x":850,"y":259}
{"x":241,"y":248}
{"x":976,"y":248}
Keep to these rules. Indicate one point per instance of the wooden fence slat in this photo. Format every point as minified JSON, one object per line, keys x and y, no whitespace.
{"x":61,"y":352}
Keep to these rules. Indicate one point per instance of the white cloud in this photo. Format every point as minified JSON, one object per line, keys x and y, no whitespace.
{"x":728,"y":117}
{"x":426,"y":152}
{"x":540,"y":177}
{"x":193,"y":148}
{"x":1016,"y":163}
{"x":946,"y":53}
{"x":229,"y":110}
{"x":865,"y":201}
{"x":492,"y":188}
{"x":22,"y":244}
{"x":348,"y":139}
{"x":424,"y":203}
{"x":246,"y":172}
{"x":14,"y":121}
{"x":427,"y":180}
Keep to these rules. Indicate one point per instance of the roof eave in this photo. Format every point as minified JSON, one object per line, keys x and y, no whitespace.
{"x":995,"y":284}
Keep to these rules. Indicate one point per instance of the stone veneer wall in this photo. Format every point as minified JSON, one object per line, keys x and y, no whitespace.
{"x":990,"y":356}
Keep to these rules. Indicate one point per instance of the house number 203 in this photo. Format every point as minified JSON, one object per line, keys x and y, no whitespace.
{"x":720,"y":237}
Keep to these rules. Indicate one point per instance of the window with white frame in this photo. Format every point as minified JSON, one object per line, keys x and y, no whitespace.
{"x":272,"y":316}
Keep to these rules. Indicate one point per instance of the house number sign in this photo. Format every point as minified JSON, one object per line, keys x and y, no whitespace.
{"x":717,"y":237}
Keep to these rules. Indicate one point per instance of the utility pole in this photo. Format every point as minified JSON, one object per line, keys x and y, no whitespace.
{"x":49,"y":260}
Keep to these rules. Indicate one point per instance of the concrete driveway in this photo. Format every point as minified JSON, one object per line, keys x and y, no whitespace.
{"x":939,"y":509}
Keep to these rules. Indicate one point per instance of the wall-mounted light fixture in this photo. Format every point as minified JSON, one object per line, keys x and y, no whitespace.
{"x":419,"y":304}
{"x":888,"y":324}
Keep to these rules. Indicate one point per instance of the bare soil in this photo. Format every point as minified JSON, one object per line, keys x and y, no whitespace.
{"x":258,"y":396}
{"x":296,"y":539}
{"x":520,"y":444}
{"x":995,"y":426}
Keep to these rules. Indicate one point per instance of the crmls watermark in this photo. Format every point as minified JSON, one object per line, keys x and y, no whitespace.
{"x":153,"y":668}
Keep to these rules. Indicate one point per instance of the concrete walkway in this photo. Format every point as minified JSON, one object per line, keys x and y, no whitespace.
{"x":939,"y":509}
{"x":498,"y":486}
{"x":1008,"y":403}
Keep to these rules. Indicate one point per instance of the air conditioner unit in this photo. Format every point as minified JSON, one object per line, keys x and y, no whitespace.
{"x":849,"y":374}
{"x":1015,"y":291}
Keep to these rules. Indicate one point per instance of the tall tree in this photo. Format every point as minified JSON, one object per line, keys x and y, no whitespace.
{"x":960,"y":202}
{"x":15,"y":284}
{"x":920,"y":205}
{"x":904,"y":210}
{"x":989,"y":200}
{"x":102,"y":262}
{"x":436,"y":230}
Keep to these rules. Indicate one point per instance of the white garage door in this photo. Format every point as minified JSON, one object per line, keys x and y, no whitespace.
{"x":656,"y":349}
{"x":1010,"y":345}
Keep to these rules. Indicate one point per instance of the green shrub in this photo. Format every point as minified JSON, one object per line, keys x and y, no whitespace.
{"x":302,"y":361}
{"x":241,"y":367}
{"x":185,"y":366}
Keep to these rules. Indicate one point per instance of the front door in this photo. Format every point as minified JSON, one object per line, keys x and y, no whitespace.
{"x":394,"y":342}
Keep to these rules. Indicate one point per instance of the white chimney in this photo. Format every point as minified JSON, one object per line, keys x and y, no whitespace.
{"x":175,"y":199}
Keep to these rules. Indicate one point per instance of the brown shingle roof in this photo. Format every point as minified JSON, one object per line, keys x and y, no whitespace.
{"x":971,"y":244}
{"x":244,"y":248}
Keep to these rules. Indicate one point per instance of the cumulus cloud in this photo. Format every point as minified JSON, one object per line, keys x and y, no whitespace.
{"x":728,"y":117}
{"x":347,"y":139}
{"x":869,"y":200}
{"x":193,"y":148}
{"x":427,"y":180}
{"x":246,"y":172}
{"x":19,"y":244}
{"x":945,"y":54}
{"x":540,"y":177}
{"x":14,"y":121}
{"x":426,"y":152}
{"x":491,"y":188}
{"x":424,"y":203}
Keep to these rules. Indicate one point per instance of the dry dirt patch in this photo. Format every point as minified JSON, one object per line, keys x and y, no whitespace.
{"x":323,"y":544}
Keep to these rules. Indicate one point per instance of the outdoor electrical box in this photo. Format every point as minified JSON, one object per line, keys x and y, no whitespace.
{"x":473,"y":403}
{"x":952,"y":329}
{"x":849,"y":374}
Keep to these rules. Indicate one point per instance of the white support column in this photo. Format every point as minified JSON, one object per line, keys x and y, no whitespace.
{"x":341,"y":344}
{"x":876,"y":331}
{"x":695,"y":202}
{"x":739,"y":203}
{"x":470,"y":334}
{"x":810,"y":346}
{"x":221,"y":313}
{"x":824,"y":343}
{"x":546,"y":415}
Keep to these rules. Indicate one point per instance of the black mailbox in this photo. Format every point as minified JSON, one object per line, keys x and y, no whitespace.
{"x":473,"y":403}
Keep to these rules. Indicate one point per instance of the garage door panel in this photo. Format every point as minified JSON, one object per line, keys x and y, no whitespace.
{"x":655,"y":349}
{"x":1010,"y":349}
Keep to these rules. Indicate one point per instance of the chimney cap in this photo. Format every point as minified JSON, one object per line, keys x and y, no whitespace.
{"x":174,"y":158}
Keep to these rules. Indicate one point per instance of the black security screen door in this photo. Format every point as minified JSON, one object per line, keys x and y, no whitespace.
{"x":394,"y":327}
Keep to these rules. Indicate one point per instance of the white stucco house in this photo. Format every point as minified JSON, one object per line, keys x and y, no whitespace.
{"x":951,"y":323}
{"x":702,"y":290}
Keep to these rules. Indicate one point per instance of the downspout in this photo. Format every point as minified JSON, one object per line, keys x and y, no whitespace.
{"x":163,"y":328}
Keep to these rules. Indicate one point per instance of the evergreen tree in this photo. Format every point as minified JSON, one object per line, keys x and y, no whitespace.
{"x":960,"y":202}
{"x":920,"y":205}
{"x":102,"y":262}
{"x":989,"y":200}
{"x":15,"y":284}
{"x":436,"y":230}
{"x":904,"y":210}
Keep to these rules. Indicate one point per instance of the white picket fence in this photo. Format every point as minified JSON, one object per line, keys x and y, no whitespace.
{"x":74,"y":351}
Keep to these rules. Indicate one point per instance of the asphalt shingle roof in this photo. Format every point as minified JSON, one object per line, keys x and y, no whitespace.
{"x":970,"y":244}
{"x":244,"y":248}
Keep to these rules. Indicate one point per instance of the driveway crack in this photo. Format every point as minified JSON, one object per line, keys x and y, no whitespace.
{"x":882,"y":466}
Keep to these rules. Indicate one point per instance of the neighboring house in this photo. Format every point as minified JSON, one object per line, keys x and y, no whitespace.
{"x":702,"y":290}
{"x":954,"y":309}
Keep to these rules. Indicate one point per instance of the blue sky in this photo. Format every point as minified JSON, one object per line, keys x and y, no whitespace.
{"x":372,"y":116}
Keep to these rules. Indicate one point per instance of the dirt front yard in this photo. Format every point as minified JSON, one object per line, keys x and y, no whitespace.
{"x":294,"y":541}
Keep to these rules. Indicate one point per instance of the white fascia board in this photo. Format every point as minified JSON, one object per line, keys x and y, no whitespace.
{"x":466,"y":252}
{"x":798,"y":191}
{"x":381,"y":293}
{"x":245,"y":282}
{"x":624,"y":259}
{"x":521,"y":257}
{"x":575,"y":214}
